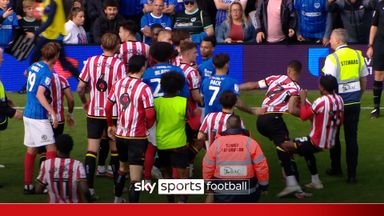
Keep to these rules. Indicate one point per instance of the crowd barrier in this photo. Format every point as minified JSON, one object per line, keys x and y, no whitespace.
{"x":248,"y":63}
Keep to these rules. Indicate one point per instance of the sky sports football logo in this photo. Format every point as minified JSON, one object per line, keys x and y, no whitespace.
{"x":195,"y":186}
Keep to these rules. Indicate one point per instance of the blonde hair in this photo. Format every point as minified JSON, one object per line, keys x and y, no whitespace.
{"x":28,"y":3}
{"x":229,"y":16}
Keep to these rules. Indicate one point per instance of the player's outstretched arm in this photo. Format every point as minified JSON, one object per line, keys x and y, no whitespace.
{"x":243,"y":107}
{"x":249,"y":86}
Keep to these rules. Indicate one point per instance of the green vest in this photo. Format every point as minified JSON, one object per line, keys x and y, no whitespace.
{"x":170,"y":122}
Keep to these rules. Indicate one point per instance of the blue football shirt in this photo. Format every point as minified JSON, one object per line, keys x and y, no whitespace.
{"x":152,"y":77}
{"x":38,"y":75}
{"x":213,"y":87}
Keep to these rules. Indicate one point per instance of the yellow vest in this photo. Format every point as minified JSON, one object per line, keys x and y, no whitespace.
{"x":57,"y":26}
{"x":349,"y":64}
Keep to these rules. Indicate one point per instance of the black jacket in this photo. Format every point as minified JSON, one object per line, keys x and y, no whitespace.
{"x":288,"y":16}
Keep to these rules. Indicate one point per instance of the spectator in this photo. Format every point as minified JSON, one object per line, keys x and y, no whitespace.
{"x":131,"y":10}
{"x":108,"y":22}
{"x":74,"y":27}
{"x":169,"y":6}
{"x":69,"y":4}
{"x":275,"y":21}
{"x":194,"y":20}
{"x":156,"y":16}
{"x":94,"y":10}
{"x":51,"y":30}
{"x":223,"y":7}
{"x":314,"y":22}
{"x":356,"y":16}
{"x":8,"y":21}
{"x":28,"y":23}
{"x":237,"y":28}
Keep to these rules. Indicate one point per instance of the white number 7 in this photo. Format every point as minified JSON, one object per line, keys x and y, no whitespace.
{"x":157,"y":92}
{"x":215,"y":90}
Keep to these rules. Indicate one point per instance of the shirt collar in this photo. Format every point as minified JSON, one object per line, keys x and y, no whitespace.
{"x":341,"y":46}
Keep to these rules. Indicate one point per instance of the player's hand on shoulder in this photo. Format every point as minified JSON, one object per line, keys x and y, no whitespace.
{"x":112,"y":132}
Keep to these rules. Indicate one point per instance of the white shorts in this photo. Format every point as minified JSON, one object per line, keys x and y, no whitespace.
{"x":37,"y":132}
{"x":152,"y":135}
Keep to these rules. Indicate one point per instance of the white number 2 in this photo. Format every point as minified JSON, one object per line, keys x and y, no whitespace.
{"x":157,"y":92}
{"x":31,"y":80}
{"x":215,"y":90}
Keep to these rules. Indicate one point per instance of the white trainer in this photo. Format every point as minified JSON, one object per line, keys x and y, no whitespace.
{"x":288,"y":190}
{"x":315,"y":185}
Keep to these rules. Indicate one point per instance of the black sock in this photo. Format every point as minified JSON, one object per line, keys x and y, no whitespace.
{"x":119,"y":186}
{"x":90,"y":167}
{"x":311,"y":163}
{"x":294,"y":168}
{"x":103,"y":152}
{"x":286,"y":163}
{"x":377,"y":89}
{"x":133,"y":195}
{"x":114,"y":164}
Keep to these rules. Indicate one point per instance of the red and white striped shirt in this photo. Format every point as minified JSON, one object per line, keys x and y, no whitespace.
{"x":132,"y":97}
{"x":193,"y":80}
{"x":107,"y":68}
{"x":58,"y":84}
{"x":328,"y":112}
{"x":215,"y":123}
{"x":280,"y":88}
{"x":131,"y":48}
{"x":177,"y":60}
{"x":61,"y":176}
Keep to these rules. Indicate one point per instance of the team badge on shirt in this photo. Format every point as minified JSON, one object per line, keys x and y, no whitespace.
{"x":124,"y":100}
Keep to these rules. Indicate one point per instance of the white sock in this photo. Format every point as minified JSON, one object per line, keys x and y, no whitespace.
{"x":291,"y":181}
{"x":315,"y":178}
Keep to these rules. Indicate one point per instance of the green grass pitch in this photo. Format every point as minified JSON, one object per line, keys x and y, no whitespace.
{"x":370,"y":187}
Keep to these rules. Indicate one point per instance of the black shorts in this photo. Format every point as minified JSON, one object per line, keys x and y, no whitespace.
{"x":191,"y":134}
{"x":305,"y":146}
{"x":273,"y":126}
{"x":176,"y":158}
{"x":96,"y":127}
{"x":378,"y":55}
{"x":131,"y":150}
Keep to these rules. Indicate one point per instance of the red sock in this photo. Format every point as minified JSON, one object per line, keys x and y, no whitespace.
{"x":29,"y":162}
{"x":51,"y":155}
{"x":149,"y":161}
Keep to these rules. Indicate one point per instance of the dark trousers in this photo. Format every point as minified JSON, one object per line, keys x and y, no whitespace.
{"x":36,"y":55}
{"x":351,"y":121}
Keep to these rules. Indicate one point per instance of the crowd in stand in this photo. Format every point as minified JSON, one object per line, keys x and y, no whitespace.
{"x":231,"y":21}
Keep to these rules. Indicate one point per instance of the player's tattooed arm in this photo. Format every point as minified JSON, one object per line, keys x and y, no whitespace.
{"x":294,"y":106}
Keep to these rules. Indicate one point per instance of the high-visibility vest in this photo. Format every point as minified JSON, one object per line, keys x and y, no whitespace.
{"x":349,"y":64}
{"x":235,"y":157}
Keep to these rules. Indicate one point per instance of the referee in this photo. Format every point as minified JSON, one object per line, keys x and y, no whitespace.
{"x":348,"y":66}
{"x":376,"y":52}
